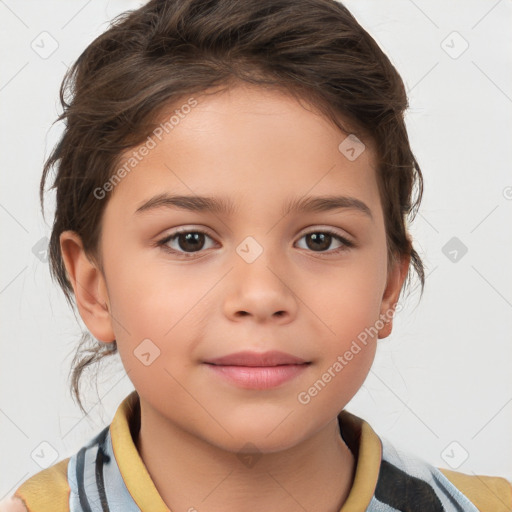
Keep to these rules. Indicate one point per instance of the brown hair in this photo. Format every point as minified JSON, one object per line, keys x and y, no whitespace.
{"x":152,"y":57}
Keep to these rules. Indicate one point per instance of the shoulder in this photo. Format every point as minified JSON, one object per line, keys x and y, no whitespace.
{"x":488,"y":493}
{"x":403,"y":477}
{"x":46,"y":491}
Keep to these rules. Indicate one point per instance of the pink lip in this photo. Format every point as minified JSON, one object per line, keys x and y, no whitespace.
{"x":252,"y":370}
{"x":248,"y":358}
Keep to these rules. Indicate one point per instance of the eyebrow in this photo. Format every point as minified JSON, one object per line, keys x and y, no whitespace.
{"x":220,"y":205}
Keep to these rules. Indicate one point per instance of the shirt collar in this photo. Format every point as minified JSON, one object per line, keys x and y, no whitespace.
{"x":356,"y":432}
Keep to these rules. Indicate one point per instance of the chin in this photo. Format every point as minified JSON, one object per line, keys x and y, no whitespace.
{"x":259,"y":438}
{"x":255,"y":446}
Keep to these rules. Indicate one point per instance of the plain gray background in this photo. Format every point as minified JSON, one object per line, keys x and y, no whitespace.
{"x":441,"y":383}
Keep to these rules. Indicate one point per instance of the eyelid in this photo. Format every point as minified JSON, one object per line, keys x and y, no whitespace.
{"x":314,"y":228}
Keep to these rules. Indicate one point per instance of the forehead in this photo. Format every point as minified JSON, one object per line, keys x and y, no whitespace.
{"x":247,"y":143}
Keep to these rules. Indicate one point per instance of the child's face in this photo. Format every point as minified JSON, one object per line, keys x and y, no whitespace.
{"x":217,"y":294}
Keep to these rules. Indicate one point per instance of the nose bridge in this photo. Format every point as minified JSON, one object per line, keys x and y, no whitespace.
{"x":258,"y":284}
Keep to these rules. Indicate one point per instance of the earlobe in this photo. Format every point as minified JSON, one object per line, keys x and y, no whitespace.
{"x":394,"y":284}
{"x":89,"y":287}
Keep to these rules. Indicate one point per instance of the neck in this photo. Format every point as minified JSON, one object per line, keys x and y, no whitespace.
{"x":191,"y":473}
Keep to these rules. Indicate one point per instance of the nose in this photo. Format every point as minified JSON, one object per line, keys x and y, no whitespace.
{"x":260,"y":290}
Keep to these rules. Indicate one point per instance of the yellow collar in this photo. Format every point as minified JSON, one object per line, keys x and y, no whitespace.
{"x":357,"y":433}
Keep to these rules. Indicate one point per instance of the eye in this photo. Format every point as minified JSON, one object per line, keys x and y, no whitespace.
{"x":320,"y":240}
{"x":184,"y":241}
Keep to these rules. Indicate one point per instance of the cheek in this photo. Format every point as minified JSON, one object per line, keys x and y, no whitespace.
{"x":154,"y":327}
{"x":150,"y":295}
{"x":346,"y":303}
{"x":347,"y":341}
{"x":159,"y":303}
{"x":348,"y":299}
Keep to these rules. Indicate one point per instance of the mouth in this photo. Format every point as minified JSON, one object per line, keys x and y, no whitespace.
{"x":253,"y":359}
{"x":258,"y":371}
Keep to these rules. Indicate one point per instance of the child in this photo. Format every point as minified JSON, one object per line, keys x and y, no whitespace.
{"x":252,"y":130}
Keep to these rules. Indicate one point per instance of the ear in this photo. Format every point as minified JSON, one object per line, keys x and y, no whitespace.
{"x":396,"y":278}
{"x":89,"y":286}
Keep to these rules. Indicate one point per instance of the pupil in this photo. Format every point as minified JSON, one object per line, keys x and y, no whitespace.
{"x":191,"y":239}
{"x":324,"y":238}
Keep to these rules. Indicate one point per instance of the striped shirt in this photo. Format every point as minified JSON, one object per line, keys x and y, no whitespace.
{"x":108,"y":475}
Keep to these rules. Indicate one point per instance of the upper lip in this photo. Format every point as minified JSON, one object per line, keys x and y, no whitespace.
{"x":248,"y":358}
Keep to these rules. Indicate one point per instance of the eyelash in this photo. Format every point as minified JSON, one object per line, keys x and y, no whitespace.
{"x":347,"y":244}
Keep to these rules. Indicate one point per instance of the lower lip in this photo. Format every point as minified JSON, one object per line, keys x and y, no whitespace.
{"x":258,"y":377}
